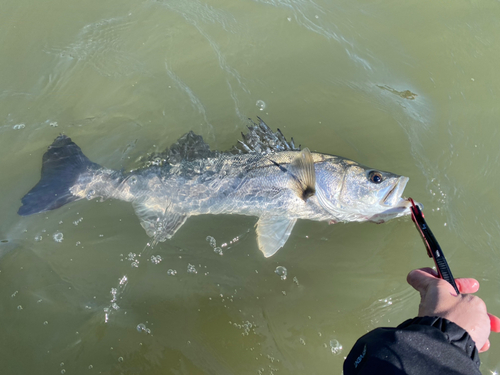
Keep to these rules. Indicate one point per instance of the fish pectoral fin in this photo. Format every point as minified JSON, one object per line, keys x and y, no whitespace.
{"x":303,"y":175}
{"x":272,"y":233}
{"x":159,"y":221}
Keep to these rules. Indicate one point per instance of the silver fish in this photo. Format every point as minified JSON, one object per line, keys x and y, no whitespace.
{"x":265,"y":176}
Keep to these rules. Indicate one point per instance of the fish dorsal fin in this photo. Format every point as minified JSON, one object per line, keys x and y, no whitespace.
{"x":303,"y":174}
{"x":272,"y":233}
{"x":157,"y":218}
{"x":260,"y":139}
{"x":188,"y":147}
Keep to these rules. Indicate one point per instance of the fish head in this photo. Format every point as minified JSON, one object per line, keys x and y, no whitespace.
{"x":366,"y":194}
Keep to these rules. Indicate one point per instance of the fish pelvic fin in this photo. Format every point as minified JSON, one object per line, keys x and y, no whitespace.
{"x":158,"y":219}
{"x":303,"y":175}
{"x":272,"y":233}
{"x":62,"y":165}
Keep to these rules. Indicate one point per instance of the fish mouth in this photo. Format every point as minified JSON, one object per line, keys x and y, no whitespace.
{"x":394,"y":204}
{"x":393,"y":197}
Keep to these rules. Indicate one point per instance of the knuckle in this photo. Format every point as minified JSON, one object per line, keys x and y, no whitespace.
{"x":481,"y":304}
{"x":478,"y":302}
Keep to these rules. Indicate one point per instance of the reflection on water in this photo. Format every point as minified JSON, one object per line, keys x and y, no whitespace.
{"x":409,"y":89}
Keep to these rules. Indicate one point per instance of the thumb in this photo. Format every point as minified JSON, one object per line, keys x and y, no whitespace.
{"x":422,"y":278}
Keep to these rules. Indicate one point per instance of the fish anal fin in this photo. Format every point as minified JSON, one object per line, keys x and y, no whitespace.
{"x":272,"y":233}
{"x":303,"y":175}
{"x":158,"y":220}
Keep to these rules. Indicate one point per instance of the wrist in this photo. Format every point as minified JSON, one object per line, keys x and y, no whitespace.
{"x":452,"y":332}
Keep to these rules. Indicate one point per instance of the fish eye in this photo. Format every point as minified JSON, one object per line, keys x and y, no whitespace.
{"x":375,"y":177}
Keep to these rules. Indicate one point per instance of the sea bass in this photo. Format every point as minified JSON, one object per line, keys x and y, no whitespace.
{"x":264,"y":176}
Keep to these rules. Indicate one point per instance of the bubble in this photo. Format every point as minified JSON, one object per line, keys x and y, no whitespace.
{"x":335,"y":346}
{"x":246,"y":327}
{"x":19,"y":126}
{"x":131,"y":257}
{"x":91,"y":367}
{"x":218,"y":250}
{"x":45,"y":323}
{"x":78,"y":243}
{"x":58,"y":236}
{"x":280,"y":270}
{"x":76,"y":222}
{"x":171,"y":272}
{"x":19,"y":307}
{"x":63,"y":371}
{"x":261,"y":105}
{"x":53,"y":124}
{"x":120,"y":359}
{"x":211,"y":241}
{"x":38,"y":238}
{"x":141,"y":327}
{"x":191,"y":268}
{"x":156,"y":259}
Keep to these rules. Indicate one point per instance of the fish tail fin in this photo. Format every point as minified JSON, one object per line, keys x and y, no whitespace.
{"x":62,"y":164}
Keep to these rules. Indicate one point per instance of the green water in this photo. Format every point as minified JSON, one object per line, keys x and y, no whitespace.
{"x":408,"y":87}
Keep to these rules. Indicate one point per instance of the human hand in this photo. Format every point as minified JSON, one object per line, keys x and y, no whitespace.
{"x":438,"y":298}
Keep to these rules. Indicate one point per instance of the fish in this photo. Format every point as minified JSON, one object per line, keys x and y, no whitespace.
{"x":263,"y":175}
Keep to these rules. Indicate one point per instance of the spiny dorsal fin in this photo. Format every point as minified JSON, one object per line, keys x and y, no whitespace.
{"x":261,"y":139}
{"x":303,"y":174}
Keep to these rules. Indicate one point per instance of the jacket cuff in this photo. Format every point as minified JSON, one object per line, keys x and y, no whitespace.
{"x":455,"y":334}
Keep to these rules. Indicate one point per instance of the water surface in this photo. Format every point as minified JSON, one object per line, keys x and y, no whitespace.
{"x":408,"y":87}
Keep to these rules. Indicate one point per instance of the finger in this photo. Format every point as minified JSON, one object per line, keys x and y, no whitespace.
{"x":467,"y":285}
{"x":421,"y":279}
{"x":430,"y":271}
{"x":485,"y":347}
{"x":494,"y":322}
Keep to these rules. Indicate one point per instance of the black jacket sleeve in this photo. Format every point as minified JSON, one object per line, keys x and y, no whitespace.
{"x":423,"y":345}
